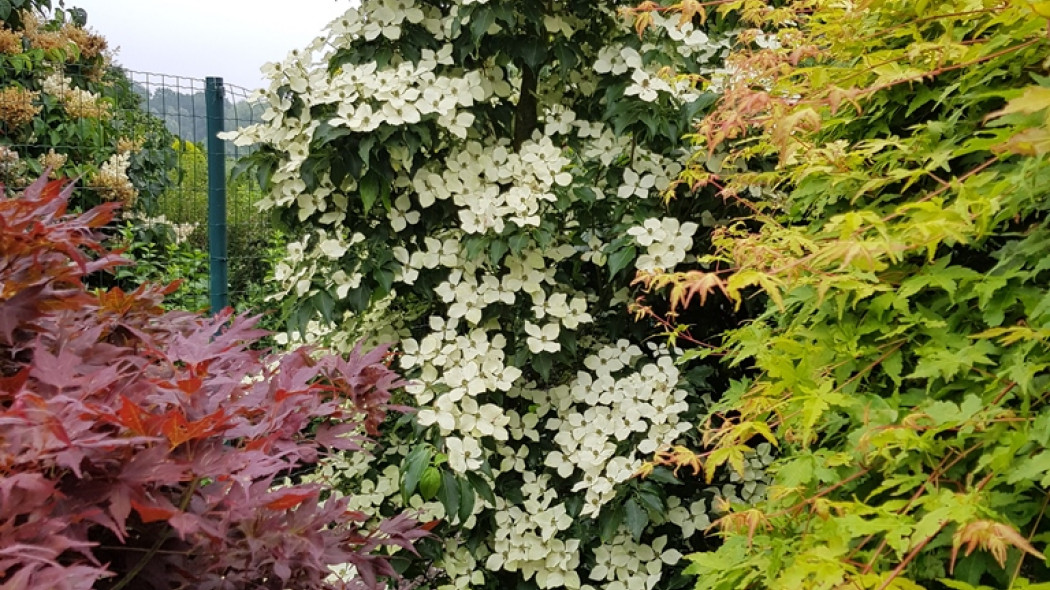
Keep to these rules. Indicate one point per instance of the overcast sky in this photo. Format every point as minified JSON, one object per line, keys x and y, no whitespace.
{"x":199,"y":38}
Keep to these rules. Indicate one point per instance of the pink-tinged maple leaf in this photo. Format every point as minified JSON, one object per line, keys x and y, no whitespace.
{"x":21,"y":309}
{"x":135,"y":419}
{"x":14,"y":384}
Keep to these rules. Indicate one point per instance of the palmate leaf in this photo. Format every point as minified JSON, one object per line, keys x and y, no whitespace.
{"x":1033,"y":99}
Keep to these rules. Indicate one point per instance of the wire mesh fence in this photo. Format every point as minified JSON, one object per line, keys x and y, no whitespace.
{"x":181,"y":103}
{"x":141,"y":139}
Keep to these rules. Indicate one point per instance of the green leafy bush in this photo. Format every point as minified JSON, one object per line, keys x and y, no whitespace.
{"x":252,"y":242}
{"x":161,"y":257}
{"x":901,"y":240}
{"x":64,"y":107}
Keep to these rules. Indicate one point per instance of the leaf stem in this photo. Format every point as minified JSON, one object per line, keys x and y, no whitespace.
{"x":1035,"y":526}
{"x":155,"y":548}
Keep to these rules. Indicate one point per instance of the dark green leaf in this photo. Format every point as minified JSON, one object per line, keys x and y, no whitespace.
{"x":511,"y":491}
{"x":480,"y":21}
{"x":609,"y":521}
{"x":473,"y":246}
{"x":531,"y":54}
{"x":467,"y":498}
{"x":385,"y":279}
{"x":482,"y":487}
{"x":369,"y":190}
{"x":359,"y":298}
{"x":412,"y":468}
{"x":326,"y":132}
{"x":619,"y":259}
{"x":324,"y":303}
{"x":497,"y":248}
{"x":663,"y":475}
{"x":517,"y":243}
{"x":636,"y":517}
{"x":574,"y":505}
{"x":542,"y":363}
{"x":364,"y":149}
{"x":651,"y":500}
{"x":448,"y":495}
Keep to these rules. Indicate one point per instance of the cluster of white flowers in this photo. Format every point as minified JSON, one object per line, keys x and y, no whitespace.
{"x":647,"y":174}
{"x":493,"y":185}
{"x":182,"y":231}
{"x":463,"y":567}
{"x":667,"y":243}
{"x":493,"y":312}
{"x":467,"y":366}
{"x":602,"y":410}
{"x":299,"y":268}
{"x":646,"y":84}
{"x":527,"y":537}
{"x":77,"y":102}
{"x":112,"y":182}
{"x":749,"y":487}
{"x":384,"y":19}
{"x":692,"y":519}
{"x":623,"y":564}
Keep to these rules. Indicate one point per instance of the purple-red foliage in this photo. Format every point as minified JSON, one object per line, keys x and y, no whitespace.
{"x":140,"y":449}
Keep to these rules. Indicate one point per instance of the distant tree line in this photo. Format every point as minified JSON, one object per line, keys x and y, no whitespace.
{"x":184,"y":113}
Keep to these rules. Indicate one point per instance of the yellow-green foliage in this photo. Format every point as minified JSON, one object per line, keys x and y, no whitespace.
{"x":901,"y":236}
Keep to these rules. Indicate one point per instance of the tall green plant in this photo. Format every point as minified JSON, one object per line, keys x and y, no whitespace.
{"x":901,"y":240}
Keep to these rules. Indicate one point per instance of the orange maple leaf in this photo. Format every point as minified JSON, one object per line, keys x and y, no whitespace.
{"x":290,"y":499}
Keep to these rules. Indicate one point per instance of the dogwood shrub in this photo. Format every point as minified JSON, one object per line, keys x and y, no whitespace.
{"x":144,"y":449}
{"x":479,"y":182}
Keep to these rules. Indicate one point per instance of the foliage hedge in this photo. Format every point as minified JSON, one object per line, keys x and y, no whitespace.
{"x":898,"y":151}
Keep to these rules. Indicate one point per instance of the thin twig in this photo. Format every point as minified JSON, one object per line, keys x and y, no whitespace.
{"x":155,"y":548}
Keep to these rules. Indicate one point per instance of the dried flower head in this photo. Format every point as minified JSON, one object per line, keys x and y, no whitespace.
{"x":112,"y":182}
{"x":993,"y":537}
{"x":125,"y":145}
{"x":30,"y":21}
{"x":7,"y":155}
{"x":16,"y":106}
{"x":12,"y":167}
{"x":54,"y":161}
{"x":90,"y":44}
{"x":46,"y":40}
{"x":10,"y":42}
{"x":9,"y":159}
{"x":82,"y":104}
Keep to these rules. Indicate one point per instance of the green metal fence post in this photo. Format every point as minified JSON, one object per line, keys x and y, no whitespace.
{"x":218,"y":268}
